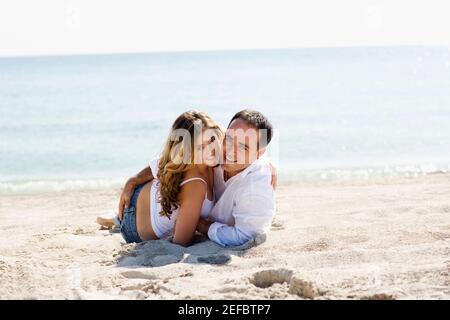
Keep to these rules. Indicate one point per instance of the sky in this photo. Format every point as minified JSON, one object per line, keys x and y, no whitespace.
{"x":41,"y":27}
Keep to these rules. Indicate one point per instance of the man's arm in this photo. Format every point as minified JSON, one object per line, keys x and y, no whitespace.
{"x":226,"y":235}
{"x":143,"y":176}
{"x":253,"y":214}
{"x":274,"y":173}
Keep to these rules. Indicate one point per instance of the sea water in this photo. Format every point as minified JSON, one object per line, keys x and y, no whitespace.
{"x":89,"y":121}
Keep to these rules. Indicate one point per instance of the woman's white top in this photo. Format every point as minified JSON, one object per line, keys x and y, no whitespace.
{"x":162,"y":225}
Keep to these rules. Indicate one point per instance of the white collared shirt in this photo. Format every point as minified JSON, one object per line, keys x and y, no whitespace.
{"x":245,"y":204}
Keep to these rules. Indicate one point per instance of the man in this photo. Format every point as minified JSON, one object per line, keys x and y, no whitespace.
{"x":242,"y":185}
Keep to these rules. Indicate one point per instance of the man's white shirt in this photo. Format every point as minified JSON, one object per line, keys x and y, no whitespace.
{"x":245,"y":204}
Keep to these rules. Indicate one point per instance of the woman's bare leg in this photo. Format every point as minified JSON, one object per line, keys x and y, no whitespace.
{"x":106,"y":222}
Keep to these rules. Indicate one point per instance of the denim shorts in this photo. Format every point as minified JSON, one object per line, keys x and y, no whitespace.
{"x":128,"y":227}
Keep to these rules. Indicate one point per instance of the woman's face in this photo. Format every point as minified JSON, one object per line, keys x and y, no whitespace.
{"x":211,"y":147}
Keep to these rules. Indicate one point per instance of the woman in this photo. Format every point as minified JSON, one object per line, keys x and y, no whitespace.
{"x":169,"y":197}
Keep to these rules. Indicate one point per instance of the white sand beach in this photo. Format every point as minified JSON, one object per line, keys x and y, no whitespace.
{"x":349,"y":240}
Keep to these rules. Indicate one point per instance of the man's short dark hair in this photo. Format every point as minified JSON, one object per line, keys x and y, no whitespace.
{"x":257,"y":120}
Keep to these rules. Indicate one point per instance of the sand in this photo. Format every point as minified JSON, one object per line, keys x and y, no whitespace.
{"x":348,"y":240}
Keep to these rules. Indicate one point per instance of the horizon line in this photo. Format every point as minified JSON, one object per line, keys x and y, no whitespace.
{"x":44,"y":55}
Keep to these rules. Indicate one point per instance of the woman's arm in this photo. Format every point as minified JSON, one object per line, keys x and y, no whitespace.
{"x":192,"y":196}
{"x":145,"y":175}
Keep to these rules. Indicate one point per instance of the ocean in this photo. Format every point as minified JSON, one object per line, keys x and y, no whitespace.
{"x":90,"y":121}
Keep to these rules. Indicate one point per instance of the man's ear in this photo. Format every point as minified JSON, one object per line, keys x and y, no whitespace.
{"x":261,"y":152}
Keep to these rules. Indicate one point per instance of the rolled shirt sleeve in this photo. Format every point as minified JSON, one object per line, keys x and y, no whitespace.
{"x":226,"y":235}
{"x":253,"y":213}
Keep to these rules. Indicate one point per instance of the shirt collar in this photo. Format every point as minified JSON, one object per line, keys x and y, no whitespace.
{"x":258,"y":163}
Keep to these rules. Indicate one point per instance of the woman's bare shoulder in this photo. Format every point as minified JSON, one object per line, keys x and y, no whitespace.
{"x":191,"y":173}
{"x":193,"y":190}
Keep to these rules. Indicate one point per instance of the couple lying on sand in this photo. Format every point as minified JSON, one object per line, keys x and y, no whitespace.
{"x":219,"y":184}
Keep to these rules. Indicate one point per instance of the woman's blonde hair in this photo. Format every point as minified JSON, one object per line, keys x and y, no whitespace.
{"x":178,"y":155}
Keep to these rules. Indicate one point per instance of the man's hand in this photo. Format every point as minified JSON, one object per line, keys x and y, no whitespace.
{"x":143,"y":176}
{"x":125,"y":197}
{"x":274,"y":172}
{"x":203,"y":225}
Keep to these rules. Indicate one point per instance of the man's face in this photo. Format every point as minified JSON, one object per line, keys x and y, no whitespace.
{"x":240,"y":146}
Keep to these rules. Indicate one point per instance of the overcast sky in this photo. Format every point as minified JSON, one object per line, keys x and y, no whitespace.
{"x":97,"y":26}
